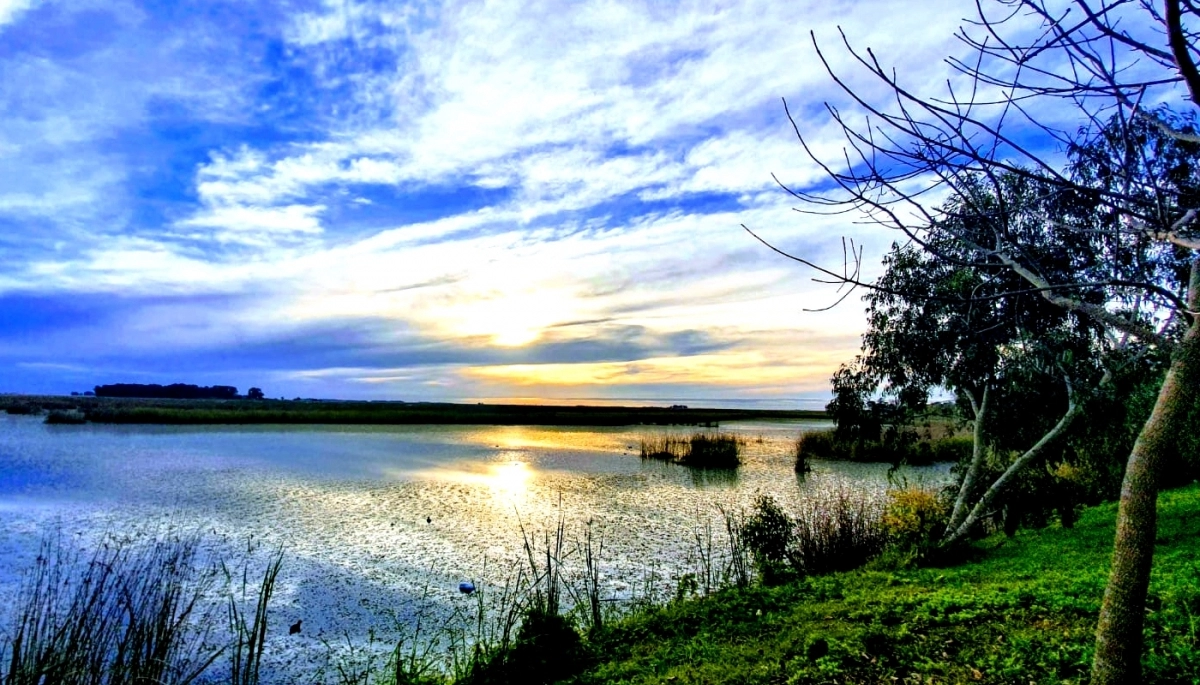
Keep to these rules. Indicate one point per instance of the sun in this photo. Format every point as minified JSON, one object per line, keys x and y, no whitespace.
{"x":509,"y":319}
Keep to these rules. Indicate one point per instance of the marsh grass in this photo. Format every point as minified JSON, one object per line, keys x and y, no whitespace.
{"x":895,"y":447}
{"x":702,"y":450}
{"x":840,"y":531}
{"x":250,"y":634}
{"x":66,"y":416}
{"x":801,"y":457}
{"x":128,"y":614}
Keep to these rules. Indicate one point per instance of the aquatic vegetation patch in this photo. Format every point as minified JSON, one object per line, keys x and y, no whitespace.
{"x":702,"y":450}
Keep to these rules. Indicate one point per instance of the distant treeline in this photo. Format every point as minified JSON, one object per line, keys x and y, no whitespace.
{"x":174,"y":391}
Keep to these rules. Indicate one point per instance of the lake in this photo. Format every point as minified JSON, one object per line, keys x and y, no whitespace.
{"x":375,"y":520}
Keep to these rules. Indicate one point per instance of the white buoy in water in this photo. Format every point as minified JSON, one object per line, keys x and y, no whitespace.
{"x":466,"y":588}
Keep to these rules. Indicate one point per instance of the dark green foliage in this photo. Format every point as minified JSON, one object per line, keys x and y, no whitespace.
{"x":896,"y":446}
{"x":767,"y":532}
{"x":830,"y":534}
{"x":248,"y":411}
{"x":176,"y":391}
{"x":547,"y":650}
{"x":713,"y":450}
{"x":66,"y":416}
{"x":23,"y":408}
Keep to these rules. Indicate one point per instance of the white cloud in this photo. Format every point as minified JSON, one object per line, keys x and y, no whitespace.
{"x":568,"y":105}
{"x":11,"y":9}
{"x":258,"y":225}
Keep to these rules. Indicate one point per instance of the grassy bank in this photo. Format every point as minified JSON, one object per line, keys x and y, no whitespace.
{"x":184,"y":412}
{"x":1021,"y":611}
{"x":1011,"y":610}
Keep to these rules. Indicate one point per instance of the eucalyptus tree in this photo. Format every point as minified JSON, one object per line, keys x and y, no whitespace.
{"x":957,"y":323}
{"x":1125,"y":72}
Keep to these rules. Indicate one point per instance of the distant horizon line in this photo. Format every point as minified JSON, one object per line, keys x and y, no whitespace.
{"x":522,"y":398}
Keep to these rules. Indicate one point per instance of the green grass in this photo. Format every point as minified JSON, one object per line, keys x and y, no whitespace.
{"x":1022,"y":611}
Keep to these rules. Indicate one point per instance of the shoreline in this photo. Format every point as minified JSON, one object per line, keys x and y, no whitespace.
{"x":359,"y":412}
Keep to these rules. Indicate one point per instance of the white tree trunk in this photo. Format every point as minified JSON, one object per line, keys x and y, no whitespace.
{"x":984,"y":505}
{"x":980,"y":409}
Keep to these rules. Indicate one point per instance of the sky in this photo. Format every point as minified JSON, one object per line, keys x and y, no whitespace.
{"x":430,"y":200}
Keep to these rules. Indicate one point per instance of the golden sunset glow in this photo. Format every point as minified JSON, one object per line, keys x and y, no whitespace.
{"x":735,"y":368}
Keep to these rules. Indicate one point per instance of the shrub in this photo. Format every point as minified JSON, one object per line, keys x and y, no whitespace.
{"x":818,"y":444}
{"x":914,"y":519}
{"x":768,"y":533}
{"x":837,"y":532}
{"x":802,"y":465}
{"x":547,"y":650}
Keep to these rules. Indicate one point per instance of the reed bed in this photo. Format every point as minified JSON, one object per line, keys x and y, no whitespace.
{"x":702,"y":450}
{"x":895,"y":447}
{"x":66,"y":416}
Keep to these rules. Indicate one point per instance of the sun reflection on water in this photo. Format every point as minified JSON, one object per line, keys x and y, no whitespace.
{"x":510,"y":480}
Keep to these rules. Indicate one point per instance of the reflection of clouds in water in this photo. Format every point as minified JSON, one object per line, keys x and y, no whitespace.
{"x":350,"y":506}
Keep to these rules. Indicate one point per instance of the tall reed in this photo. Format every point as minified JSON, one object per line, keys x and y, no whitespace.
{"x":249,"y":636}
{"x":129,"y":614}
{"x":704,"y":450}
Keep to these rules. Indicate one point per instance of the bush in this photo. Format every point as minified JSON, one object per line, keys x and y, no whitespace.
{"x":834,"y":533}
{"x":914,"y":519}
{"x":768,"y":533}
{"x":547,"y":650}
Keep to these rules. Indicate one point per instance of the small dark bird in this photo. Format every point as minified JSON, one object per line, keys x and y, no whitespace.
{"x":428,"y":519}
{"x":466,"y":588}
{"x":294,"y":629}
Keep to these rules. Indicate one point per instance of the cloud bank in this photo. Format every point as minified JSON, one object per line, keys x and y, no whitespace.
{"x":426,"y":200}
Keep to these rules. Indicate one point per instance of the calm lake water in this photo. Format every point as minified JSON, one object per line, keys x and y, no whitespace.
{"x":351,"y":505}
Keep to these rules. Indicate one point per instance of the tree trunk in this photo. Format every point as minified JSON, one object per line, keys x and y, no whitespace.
{"x":1118,"y":659}
{"x":983,"y":506}
{"x":967,"y":487}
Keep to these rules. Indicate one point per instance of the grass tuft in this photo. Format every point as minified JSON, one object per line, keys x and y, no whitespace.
{"x":702,"y":450}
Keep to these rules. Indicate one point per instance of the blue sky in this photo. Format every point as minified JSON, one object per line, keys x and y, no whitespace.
{"x":424,"y":200}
